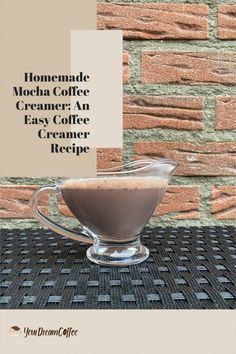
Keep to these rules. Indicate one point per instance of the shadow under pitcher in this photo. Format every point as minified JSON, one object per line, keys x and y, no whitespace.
{"x":113,"y":208}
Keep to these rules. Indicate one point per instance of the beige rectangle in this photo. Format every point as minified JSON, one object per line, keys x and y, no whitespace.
{"x":121,"y":332}
{"x":100,"y":54}
{"x":35,"y":37}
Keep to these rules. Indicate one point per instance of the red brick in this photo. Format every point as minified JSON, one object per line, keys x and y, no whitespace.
{"x":223,"y":202}
{"x":183,"y":201}
{"x":107,"y":158}
{"x":63,"y":209}
{"x":14,"y":201}
{"x":209,"y":159}
{"x":185,"y":68}
{"x":126,"y":69}
{"x":146,"y":112}
{"x":226,"y":112}
{"x":155,"y":21}
{"x":227,"y":21}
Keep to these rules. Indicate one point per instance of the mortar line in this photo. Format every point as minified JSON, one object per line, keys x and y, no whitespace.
{"x":26,"y":181}
{"x":198,"y":137}
{"x":204,"y":180}
{"x":209,"y":114}
{"x":175,"y":90}
{"x":213,"y":22}
{"x":187,"y":45}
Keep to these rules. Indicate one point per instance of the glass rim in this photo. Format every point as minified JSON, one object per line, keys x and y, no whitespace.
{"x":149,"y":163}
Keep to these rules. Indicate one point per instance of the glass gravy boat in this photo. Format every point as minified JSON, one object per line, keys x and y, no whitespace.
{"x":112,"y":207}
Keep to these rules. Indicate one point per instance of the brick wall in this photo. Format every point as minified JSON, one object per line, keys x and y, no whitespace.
{"x":179,"y":102}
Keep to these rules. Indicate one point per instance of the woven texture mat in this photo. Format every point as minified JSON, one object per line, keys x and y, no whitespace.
{"x":188,"y":268}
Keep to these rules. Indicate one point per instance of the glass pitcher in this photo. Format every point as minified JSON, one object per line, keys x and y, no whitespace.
{"x":112,"y":207}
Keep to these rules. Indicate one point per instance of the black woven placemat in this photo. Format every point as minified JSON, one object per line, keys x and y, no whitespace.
{"x":188,"y":268}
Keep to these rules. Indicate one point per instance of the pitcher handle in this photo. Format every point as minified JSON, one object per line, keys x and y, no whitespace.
{"x":64,"y":231}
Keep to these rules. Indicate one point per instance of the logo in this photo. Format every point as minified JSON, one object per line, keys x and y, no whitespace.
{"x":15,"y":331}
{"x":65,"y":332}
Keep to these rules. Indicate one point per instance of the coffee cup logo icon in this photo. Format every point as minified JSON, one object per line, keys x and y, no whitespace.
{"x":15,"y":331}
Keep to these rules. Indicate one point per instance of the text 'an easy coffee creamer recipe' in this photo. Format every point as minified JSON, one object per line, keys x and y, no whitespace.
{"x":42,"y":95}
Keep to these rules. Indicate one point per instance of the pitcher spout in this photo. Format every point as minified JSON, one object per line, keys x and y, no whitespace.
{"x":165,"y":167}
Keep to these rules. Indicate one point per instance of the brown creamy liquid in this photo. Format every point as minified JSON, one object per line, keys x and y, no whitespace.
{"x":117,"y":208}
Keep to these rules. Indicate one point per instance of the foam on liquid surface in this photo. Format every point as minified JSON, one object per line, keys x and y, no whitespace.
{"x":115,"y":183}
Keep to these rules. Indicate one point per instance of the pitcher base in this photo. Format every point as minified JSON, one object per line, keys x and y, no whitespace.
{"x":124,"y":254}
